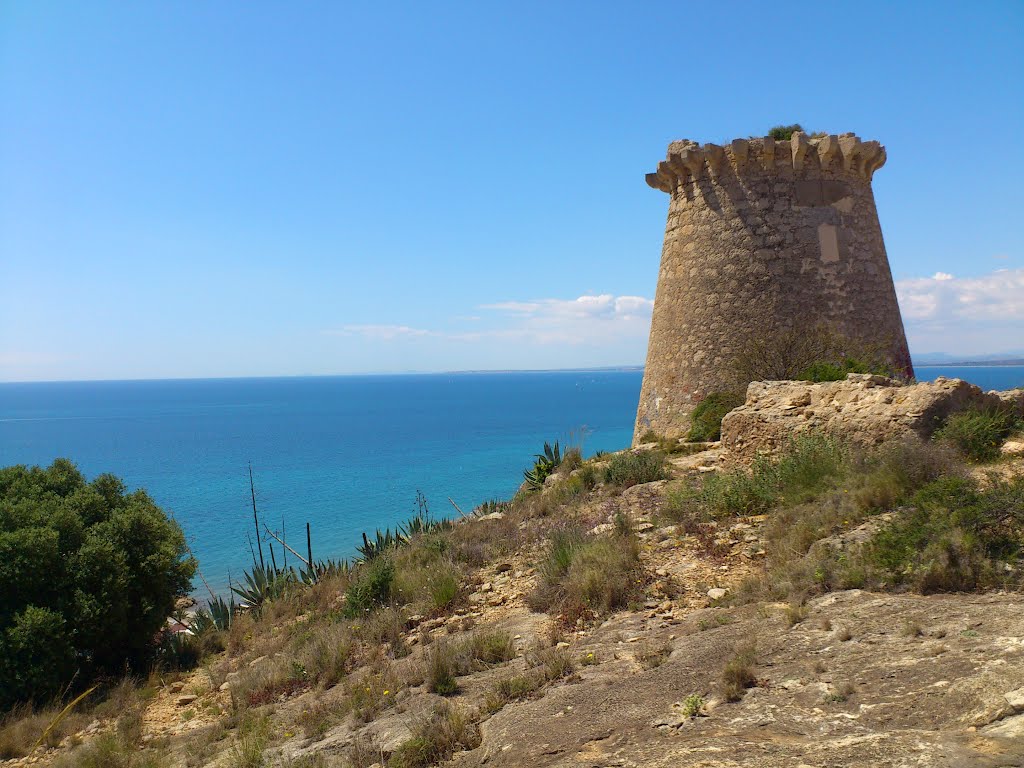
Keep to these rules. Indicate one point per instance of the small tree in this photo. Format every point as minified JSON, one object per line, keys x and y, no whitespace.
{"x":811,"y":353}
{"x":88,"y":575}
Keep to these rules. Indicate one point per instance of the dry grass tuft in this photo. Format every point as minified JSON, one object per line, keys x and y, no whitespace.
{"x":446,"y":730}
{"x":738,"y":674}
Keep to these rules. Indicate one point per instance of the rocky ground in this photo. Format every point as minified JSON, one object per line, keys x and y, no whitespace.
{"x":852,"y":678}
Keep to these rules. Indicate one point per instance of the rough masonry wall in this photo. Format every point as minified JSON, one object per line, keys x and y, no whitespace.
{"x":762,"y":236}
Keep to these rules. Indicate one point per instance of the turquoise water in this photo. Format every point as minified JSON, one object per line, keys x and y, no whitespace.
{"x":346,"y":454}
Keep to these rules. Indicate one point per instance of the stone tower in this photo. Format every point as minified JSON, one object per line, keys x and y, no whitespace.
{"x":763,"y":237}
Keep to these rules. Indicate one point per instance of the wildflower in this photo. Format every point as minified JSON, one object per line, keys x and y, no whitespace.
{"x":386,"y":692}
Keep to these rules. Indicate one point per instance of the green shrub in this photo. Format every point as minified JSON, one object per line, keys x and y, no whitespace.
{"x":371,"y":587}
{"x":588,"y":477}
{"x":706,"y":419}
{"x":978,"y":434}
{"x":693,"y":705}
{"x":956,"y":537}
{"x":88,"y":575}
{"x":808,"y":465}
{"x":785,"y":132}
{"x":635,"y":467}
{"x":827,"y":370}
{"x":734,"y":493}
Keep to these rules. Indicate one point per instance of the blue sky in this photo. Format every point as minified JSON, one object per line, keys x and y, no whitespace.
{"x":236,"y":189}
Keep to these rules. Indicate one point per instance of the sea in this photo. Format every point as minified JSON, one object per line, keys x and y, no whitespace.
{"x":345,"y":454}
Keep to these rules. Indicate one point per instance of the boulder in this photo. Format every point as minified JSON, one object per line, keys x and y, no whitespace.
{"x":864,"y":408}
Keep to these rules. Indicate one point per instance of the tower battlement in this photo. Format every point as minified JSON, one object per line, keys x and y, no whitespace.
{"x":763,"y":239}
{"x":687,"y":161}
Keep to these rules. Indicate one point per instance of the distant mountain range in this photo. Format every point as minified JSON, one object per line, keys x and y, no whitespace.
{"x":1014,"y":357}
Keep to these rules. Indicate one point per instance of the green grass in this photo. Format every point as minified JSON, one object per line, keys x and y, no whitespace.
{"x":582,"y":576}
{"x":371,"y":587}
{"x":946,"y":532}
{"x":436,"y":737}
{"x":446,"y":660}
{"x":806,"y":467}
{"x":635,"y":467}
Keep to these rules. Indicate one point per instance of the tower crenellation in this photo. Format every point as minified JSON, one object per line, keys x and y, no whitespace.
{"x":827,"y":154}
{"x":763,"y":237}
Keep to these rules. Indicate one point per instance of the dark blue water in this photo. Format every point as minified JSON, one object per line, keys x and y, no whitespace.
{"x":346,"y":454}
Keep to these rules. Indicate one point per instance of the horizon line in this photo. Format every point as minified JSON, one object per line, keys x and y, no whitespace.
{"x":999,"y":362}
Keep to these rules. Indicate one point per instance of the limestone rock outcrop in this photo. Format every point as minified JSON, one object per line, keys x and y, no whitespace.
{"x":864,"y":408}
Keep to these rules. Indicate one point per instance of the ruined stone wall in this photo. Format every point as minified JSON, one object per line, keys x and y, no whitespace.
{"x":763,"y":237}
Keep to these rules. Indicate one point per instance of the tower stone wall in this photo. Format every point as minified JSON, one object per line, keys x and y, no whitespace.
{"x":763,"y":236}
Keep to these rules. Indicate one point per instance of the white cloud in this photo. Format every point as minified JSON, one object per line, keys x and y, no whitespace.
{"x":382,"y":332}
{"x":585,"y":320}
{"x":980,"y":315}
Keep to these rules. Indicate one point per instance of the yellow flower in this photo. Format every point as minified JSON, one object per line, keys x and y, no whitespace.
{"x":386,"y":692}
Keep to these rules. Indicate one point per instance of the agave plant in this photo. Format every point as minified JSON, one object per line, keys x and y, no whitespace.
{"x":323,"y":569}
{"x":491,"y":506}
{"x":215,"y":617}
{"x":202,"y":622}
{"x":222,"y":612}
{"x":263,"y":583}
{"x":543,"y":466}
{"x":422,"y":521}
{"x":371,"y":548}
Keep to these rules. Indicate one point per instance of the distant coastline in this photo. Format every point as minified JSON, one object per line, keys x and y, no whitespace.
{"x":928,"y":362}
{"x":972,"y":363}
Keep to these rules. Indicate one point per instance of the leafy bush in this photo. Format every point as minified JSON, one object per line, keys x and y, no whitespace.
{"x":635,"y":467}
{"x":978,"y":434}
{"x":836,"y":371}
{"x":706,"y":419}
{"x":956,"y":537}
{"x":785,"y":132}
{"x":693,"y":705}
{"x":88,"y":575}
